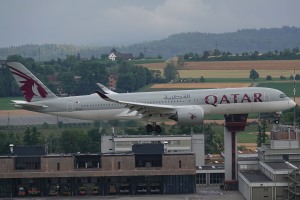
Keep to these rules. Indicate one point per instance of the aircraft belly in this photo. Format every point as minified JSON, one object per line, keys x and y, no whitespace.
{"x":111,"y":114}
{"x":238,"y":108}
{"x":273,"y":106}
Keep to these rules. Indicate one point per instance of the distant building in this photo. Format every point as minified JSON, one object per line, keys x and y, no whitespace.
{"x":52,"y":78}
{"x":120,"y":56}
{"x":112,"y":82}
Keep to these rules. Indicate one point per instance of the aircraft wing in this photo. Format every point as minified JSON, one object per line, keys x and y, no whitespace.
{"x":146,"y":110}
{"x":26,"y":105}
{"x":105,"y":89}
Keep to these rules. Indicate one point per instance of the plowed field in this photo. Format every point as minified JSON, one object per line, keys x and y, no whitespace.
{"x":235,"y":65}
{"x":200,"y":85}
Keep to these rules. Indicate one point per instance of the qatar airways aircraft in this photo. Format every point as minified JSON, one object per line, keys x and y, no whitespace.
{"x":182,"y":106}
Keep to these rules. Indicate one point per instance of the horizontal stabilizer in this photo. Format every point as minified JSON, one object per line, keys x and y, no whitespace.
{"x":26,"y":105}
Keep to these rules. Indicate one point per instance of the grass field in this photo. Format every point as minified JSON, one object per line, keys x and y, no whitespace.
{"x":234,"y":65}
{"x":286,"y":87}
{"x":233,"y":73}
{"x":199,"y":85}
{"x":247,"y":136}
{"x":6,"y":104}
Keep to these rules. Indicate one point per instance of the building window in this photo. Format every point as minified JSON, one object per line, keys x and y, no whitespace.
{"x":201,"y":179}
{"x":144,"y":160}
{"x":286,"y":157}
{"x":216,"y":178}
{"x":58,"y":166}
{"x":88,"y":161}
{"x":179,"y":163}
{"x":119,"y":165}
{"x":27,"y":163}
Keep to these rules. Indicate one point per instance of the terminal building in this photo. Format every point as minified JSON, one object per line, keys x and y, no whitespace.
{"x":138,"y":165}
{"x":275,"y":174}
{"x":127,"y":165}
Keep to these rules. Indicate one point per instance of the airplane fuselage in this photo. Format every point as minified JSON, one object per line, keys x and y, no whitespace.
{"x":212,"y":101}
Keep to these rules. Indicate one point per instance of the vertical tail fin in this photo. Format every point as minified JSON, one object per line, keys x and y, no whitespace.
{"x":32,"y":88}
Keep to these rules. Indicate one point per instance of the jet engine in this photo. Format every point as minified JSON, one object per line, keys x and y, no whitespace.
{"x":189,"y":115}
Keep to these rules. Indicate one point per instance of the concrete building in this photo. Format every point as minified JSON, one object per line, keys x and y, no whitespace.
{"x":146,"y":169}
{"x":172,"y":143}
{"x":209,"y":171}
{"x":275,"y":174}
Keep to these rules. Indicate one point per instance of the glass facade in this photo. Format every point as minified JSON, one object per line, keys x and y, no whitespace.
{"x":27,"y":163}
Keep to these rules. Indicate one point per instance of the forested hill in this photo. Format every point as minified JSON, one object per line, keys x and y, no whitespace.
{"x":247,"y":40}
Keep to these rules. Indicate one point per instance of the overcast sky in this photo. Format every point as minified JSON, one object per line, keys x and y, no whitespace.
{"x":124,"y":22}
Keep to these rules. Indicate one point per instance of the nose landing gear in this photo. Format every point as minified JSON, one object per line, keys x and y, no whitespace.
{"x":153,"y":127}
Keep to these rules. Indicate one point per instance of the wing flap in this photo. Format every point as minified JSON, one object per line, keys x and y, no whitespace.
{"x":142,"y":109}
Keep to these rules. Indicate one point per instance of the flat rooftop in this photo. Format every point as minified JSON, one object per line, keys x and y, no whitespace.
{"x":255,"y":176}
{"x":280,"y":165}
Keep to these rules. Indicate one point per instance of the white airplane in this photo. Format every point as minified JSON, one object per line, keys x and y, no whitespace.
{"x":182,"y":106}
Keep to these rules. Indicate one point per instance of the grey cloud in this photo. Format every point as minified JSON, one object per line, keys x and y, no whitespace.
{"x":123,"y":22}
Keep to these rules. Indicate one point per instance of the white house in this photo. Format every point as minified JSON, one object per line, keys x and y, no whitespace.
{"x":120,"y":56}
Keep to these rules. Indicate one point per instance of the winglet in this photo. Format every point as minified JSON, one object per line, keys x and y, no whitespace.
{"x":105,"y":89}
{"x":105,"y":97}
{"x":102,"y":95}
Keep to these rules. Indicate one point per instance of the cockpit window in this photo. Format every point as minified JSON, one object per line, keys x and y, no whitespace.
{"x":282,"y":95}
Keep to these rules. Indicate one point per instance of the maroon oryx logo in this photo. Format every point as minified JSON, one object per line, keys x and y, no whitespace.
{"x":192,"y":116}
{"x":30,"y":87}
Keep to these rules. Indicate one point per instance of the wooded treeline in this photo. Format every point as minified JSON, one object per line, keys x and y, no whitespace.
{"x":88,"y":140}
{"x":74,"y":76}
{"x":247,"y":40}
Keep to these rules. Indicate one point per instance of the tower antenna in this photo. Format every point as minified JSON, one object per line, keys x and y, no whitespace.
{"x":294,"y":98}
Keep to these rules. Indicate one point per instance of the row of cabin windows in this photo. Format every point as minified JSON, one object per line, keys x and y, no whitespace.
{"x":154,"y":102}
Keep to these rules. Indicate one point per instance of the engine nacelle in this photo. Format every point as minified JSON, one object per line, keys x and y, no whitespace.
{"x":189,"y":115}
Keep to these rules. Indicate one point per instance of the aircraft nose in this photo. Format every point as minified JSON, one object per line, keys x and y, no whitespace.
{"x":292,"y":104}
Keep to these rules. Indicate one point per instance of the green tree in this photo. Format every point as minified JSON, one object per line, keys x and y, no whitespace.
{"x":67,"y":82}
{"x":69,"y":141}
{"x":287,"y":117}
{"x":253,"y":74}
{"x":125,"y":83}
{"x":269,"y":78}
{"x":261,"y":136}
{"x":141,"y":55}
{"x":32,"y":137}
{"x":170,"y":72}
{"x":95,"y":138}
{"x":205,"y":55}
{"x":217,"y":52}
{"x":27,"y":136}
{"x":7,"y":139}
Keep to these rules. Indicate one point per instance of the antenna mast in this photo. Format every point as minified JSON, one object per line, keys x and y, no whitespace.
{"x":294,"y":99}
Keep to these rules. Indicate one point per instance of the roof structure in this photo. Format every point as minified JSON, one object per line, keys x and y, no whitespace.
{"x":255,"y":176}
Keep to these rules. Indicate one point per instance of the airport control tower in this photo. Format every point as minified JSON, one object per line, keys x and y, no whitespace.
{"x":233,"y":124}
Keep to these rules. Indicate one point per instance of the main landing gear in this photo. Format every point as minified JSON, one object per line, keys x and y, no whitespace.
{"x":153,"y":127}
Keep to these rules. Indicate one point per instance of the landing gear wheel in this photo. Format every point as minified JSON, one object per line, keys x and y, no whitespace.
{"x":157,"y":129}
{"x":149,"y":128}
{"x":153,"y":127}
